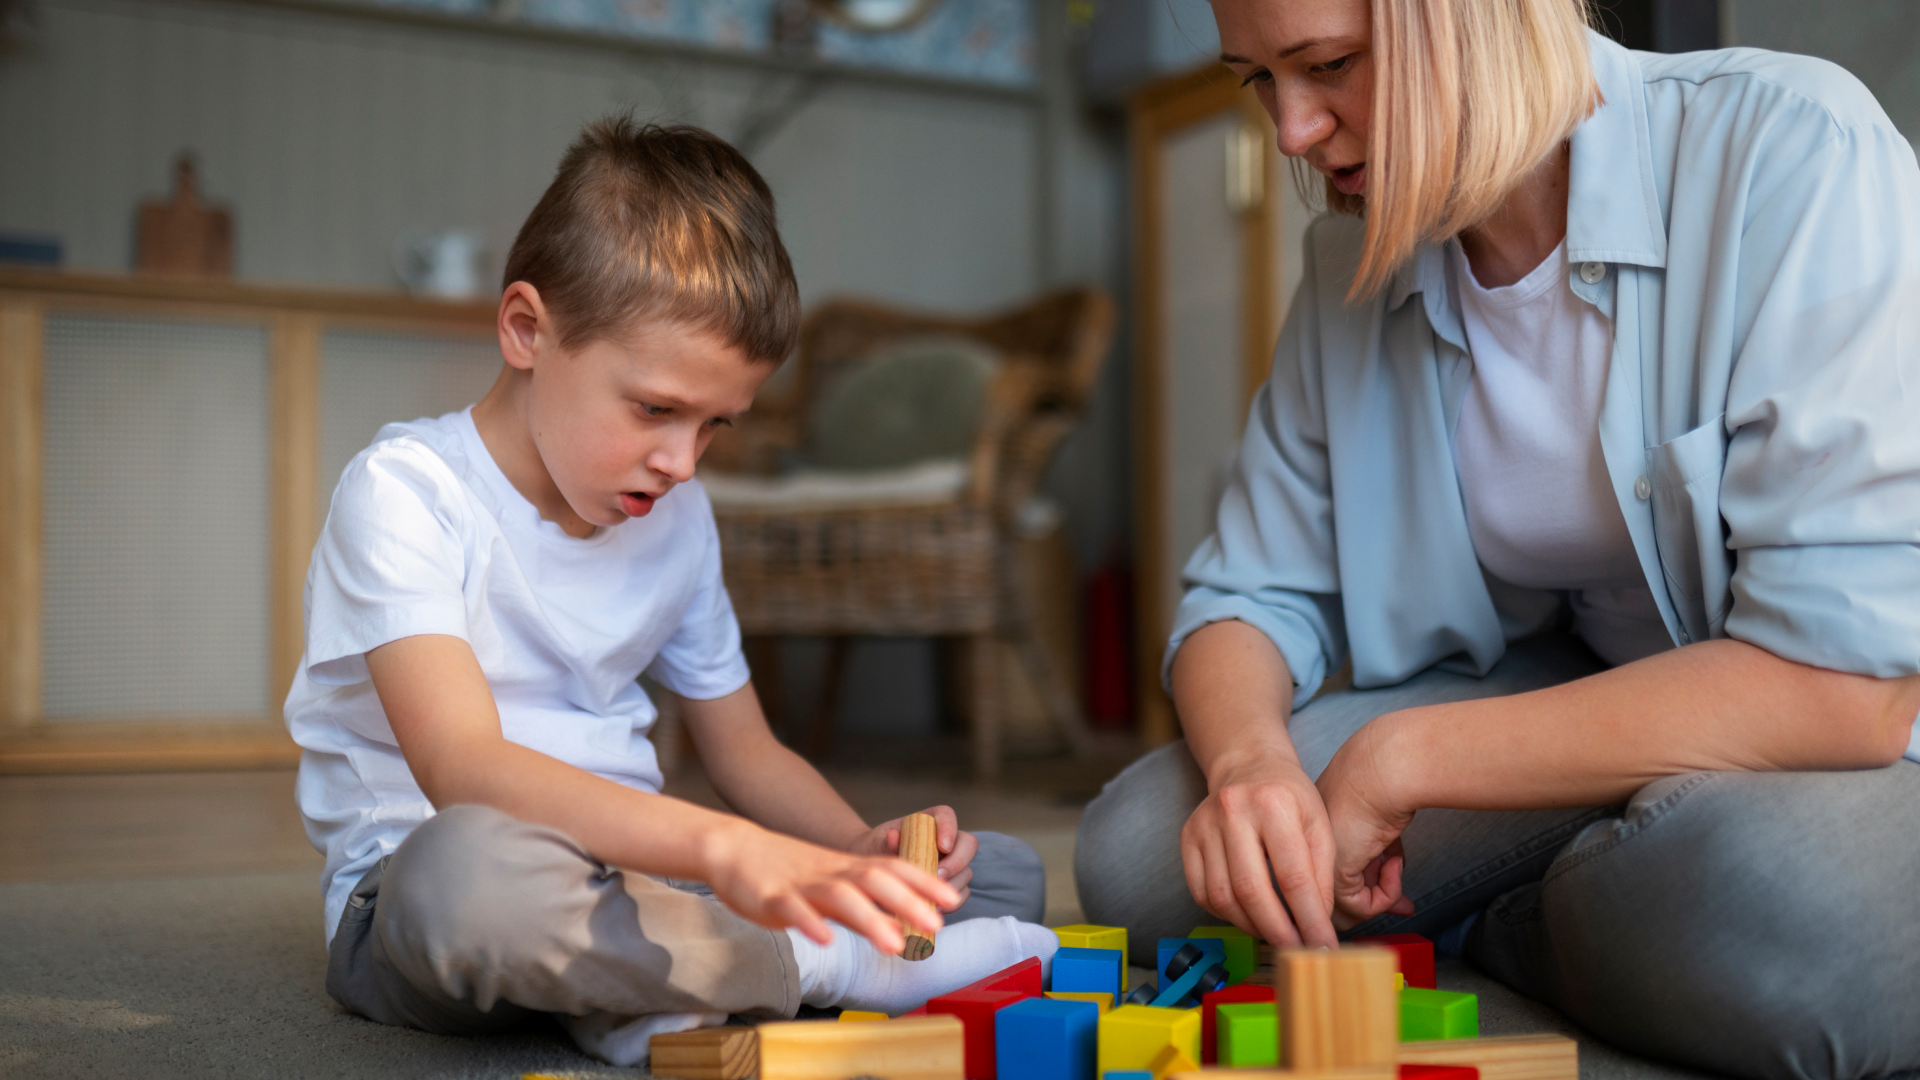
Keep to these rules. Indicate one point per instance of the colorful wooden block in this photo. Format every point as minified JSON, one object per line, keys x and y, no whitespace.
{"x":713,"y":1053}
{"x":1024,"y":976}
{"x":849,"y":1016}
{"x":1169,"y":947}
{"x":1209,"y":1003}
{"x":975,"y":1010}
{"x":1438,"y":1014}
{"x":1415,"y":956}
{"x":1337,"y":1009}
{"x":923,"y":1048}
{"x":1170,"y":1059}
{"x":1242,"y":950}
{"x":1249,"y":1035}
{"x":1046,"y":1039}
{"x":1087,"y":970}
{"x":1088,"y":936}
{"x":1131,"y":1036}
{"x":1127,"y":1074}
{"x":1439,"y":1072}
{"x":1105,"y":1001}
{"x":1513,"y":1057}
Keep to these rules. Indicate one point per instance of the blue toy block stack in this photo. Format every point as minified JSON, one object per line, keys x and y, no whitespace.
{"x":1095,"y":971}
{"x":1047,"y":1038}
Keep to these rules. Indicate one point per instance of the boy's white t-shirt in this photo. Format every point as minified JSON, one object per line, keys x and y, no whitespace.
{"x":427,"y":536}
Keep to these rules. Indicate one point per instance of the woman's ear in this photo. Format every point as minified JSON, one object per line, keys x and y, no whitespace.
{"x":524,"y":325}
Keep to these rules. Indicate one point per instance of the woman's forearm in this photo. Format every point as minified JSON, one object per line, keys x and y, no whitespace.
{"x":1714,"y":706}
{"x":1233,"y":693}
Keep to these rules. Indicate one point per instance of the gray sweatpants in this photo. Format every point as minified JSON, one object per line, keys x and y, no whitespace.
{"x":478,"y":922}
{"x":1762,"y":925}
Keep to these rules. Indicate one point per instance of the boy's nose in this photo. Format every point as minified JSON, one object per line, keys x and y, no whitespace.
{"x":675,"y":459}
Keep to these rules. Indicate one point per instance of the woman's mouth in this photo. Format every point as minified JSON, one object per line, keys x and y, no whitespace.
{"x":636,"y":503}
{"x":1351,"y":180}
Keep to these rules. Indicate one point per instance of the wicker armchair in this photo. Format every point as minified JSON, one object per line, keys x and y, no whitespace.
{"x":929,"y":570}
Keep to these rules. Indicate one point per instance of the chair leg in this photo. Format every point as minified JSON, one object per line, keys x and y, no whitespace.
{"x":983,"y":674}
{"x":826,"y":717}
{"x":1054,"y":691}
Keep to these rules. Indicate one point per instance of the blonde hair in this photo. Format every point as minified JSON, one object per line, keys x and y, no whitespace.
{"x":1469,"y":97}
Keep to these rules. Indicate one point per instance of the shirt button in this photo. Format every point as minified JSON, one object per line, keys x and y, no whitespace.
{"x":1591,"y":273}
{"x":1642,"y":488}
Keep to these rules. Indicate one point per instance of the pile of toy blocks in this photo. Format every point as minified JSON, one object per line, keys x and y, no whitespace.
{"x":1222,"y":1002}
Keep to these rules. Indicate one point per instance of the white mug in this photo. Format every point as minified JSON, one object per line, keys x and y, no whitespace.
{"x":445,"y":265}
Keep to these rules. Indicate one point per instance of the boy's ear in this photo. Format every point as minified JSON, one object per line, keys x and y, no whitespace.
{"x":523,"y":322}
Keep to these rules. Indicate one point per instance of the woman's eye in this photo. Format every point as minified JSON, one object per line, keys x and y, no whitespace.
{"x":1263,"y":75}
{"x":1333,"y":66}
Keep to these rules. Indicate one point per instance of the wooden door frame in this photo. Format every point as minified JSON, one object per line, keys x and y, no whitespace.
{"x":1156,"y":111}
{"x":295,"y":321}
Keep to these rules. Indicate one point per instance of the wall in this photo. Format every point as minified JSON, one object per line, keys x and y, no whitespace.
{"x":1877,"y":40}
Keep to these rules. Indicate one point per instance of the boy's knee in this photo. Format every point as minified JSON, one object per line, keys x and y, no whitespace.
{"x":1009,"y":878}
{"x":474,"y":876}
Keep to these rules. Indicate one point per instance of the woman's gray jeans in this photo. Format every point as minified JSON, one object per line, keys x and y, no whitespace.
{"x":1762,"y":925}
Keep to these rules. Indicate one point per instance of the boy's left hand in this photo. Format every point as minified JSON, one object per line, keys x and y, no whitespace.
{"x":956,"y":848}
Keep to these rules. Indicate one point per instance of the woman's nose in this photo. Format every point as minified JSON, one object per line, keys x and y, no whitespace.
{"x":1303,"y":124}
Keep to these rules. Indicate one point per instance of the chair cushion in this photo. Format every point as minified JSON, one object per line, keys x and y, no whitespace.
{"x":912,"y":400}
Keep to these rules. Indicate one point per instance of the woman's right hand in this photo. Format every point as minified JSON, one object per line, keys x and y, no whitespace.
{"x":1263,"y":822}
{"x":778,"y":881}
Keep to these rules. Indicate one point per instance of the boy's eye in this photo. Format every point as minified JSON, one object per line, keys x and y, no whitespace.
{"x":719,"y":422}
{"x":652,"y":410}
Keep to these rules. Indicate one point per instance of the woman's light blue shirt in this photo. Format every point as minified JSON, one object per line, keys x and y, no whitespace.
{"x":1750,"y":224}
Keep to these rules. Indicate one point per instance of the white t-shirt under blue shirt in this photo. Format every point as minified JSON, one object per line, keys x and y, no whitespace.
{"x":427,"y":536}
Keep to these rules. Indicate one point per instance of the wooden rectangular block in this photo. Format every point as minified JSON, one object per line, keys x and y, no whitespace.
{"x":1369,"y":1073}
{"x":922,"y":1048}
{"x":1337,"y":1008}
{"x":1077,"y":969}
{"x":715,"y":1053}
{"x":1088,"y":936}
{"x":1249,"y":1035}
{"x":1438,"y":1014}
{"x":1511,"y":1057}
{"x":853,"y":1016}
{"x":975,"y":1010}
{"x":1046,"y":1039}
{"x":1131,"y":1036}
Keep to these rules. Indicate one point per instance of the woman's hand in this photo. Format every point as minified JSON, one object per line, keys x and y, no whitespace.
{"x":777,"y":881}
{"x":1263,"y":822}
{"x":956,"y":848}
{"x":1367,"y":821}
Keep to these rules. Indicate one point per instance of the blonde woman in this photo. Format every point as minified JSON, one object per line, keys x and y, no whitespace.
{"x":1593,"y":443}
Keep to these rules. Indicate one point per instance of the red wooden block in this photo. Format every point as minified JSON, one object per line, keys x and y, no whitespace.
{"x":1438,"y":1072}
{"x":1023,"y":976}
{"x":1416,"y":956}
{"x":975,"y":1008}
{"x":1232,"y":995}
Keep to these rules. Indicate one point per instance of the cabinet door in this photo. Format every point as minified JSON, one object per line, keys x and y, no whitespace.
{"x":1216,"y":243}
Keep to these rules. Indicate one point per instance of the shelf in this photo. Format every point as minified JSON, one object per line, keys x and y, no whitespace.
{"x":126,"y":747}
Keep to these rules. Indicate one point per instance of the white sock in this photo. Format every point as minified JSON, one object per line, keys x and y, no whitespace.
{"x":623,"y":1040}
{"x":851,"y":974}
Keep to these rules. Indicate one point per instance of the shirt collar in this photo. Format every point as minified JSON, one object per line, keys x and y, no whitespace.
{"x":1610,"y":217}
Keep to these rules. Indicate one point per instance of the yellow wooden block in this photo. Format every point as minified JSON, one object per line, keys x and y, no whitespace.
{"x":713,"y":1053}
{"x":1098,"y":997}
{"x":1170,"y":1059}
{"x":1399,"y":982}
{"x":1086,"y":936}
{"x":848,"y":1016}
{"x":1510,"y":1057}
{"x":910,"y":1048}
{"x":1132,"y":1036}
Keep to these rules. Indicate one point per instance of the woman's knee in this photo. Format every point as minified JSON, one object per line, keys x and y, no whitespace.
{"x":1009,"y":878}
{"x":1126,"y":860}
{"x":1757,"y":924}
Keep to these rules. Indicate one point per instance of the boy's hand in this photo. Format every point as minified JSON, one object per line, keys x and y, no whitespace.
{"x":778,"y":881}
{"x":956,"y":848}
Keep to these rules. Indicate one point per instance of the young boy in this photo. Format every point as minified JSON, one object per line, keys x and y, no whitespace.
{"x":487,"y":589}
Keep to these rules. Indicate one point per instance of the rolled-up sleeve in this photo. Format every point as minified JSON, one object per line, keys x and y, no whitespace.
{"x":1821,"y":488}
{"x":1270,"y":562}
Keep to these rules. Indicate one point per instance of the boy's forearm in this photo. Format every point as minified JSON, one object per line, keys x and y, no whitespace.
{"x":763,"y":780}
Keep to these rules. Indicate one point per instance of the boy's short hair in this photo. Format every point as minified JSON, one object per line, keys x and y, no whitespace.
{"x":666,"y":222}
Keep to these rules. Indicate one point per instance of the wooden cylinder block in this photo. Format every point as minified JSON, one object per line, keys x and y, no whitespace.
{"x":919,"y":847}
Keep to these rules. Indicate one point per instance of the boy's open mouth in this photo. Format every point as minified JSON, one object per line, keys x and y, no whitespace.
{"x":636,"y":503}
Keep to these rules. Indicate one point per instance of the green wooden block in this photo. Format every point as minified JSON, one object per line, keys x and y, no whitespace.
{"x":1242,"y":954}
{"x":1248,"y":1034}
{"x":1438,"y":1014}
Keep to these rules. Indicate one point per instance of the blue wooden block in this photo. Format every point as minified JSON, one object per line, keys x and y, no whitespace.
{"x":1215,"y":951}
{"x":1127,"y":1074}
{"x":1094,"y":971}
{"x":1046,"y":1039}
